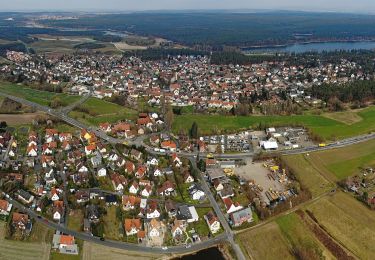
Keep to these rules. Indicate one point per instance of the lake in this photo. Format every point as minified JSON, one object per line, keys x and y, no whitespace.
{"x":316,"y":47}
{"x":209,"y":253}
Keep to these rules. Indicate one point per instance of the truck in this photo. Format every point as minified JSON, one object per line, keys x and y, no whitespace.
{"x":322,"y":145}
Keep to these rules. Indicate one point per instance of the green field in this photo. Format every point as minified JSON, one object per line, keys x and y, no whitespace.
{"x":36,"y":96}
{"x":325,"y":127}
{"x":349,"y":222}
{"x":279,"y":239}
{"x":100,"y":111}
{"x":340,"y":163}
{"x":308,"y":175}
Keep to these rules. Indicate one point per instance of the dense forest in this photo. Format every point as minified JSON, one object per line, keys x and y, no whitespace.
{"x":17,"y":46}
{"x":354,"y":92}
{"x":233,"y":29}
{"x":162,"y":53}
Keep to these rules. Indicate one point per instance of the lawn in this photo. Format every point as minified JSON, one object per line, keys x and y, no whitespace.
{"x":75,"y":220}
{"x":36,"y":96}
{"x":307,"y":174}
{"x":349,"y":222}
{"x":112,"y":224}
{"x":327,"y":128}
{"x":201,"y":226}
{"x":100,"y":111}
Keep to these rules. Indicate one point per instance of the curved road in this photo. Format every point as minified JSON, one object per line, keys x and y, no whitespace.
{"x":228,"y":235}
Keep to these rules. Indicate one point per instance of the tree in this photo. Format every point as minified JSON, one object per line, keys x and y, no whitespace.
{"x":194,"y":130}
{"x":56,"y":102}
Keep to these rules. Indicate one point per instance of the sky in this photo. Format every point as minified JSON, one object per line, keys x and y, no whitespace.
{"x":353,"y":6}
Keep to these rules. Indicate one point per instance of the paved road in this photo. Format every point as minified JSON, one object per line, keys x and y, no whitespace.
{"x":228,"y":231}
{"x":116,"y":244}
{"x":227,"y":236}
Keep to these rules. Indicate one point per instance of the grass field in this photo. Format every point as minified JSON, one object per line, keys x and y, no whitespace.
{"x":325,"y":127}
{"x":266,"y":243}
{"x":307,"y":175}
{"x":102,"y":111}
{"x":111,"y":224}
{"x":17,"y":250}
{"x":347,"y":117}
{"x":75,"y":220}
{"x":349,"y":222}
{"x":344,"y":162}
{"x":40,"y":97}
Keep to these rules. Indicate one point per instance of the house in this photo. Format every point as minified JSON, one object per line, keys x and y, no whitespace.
{"x":153,"y":162}
{"x":54,"y":194}
{"x":102,"y":172}
{"x":106,"y":127}
{"x":215,"y":173}
{"x":231,"y":206}
{"x":141,"y":171}
{"x":171,"y":208}
{"x":65,"y":244}
{"x":130,"y":202}
{"x":239,"y":217}
{"x":187,"y":213}
{"x":135,"y":154}
{"x":169,"y":145}
{"x":132,"y":226}
{"x":212,"y":222}
{"x":111,"y":200}
{"x":58,"y":210}
{"x":155,"y":140}
{"x":5,"y":207}
{"x":129,"y":167}
{"x":92,"y":213}
{"x":152,"y":210}
{"x":119,"y":181}
{"x":158,"y":172}
{"x":196,"y":193}
{"x":82,"y":196}
{"x":32,"y":150}
{"x":155,"y":228}
{"x":176,"y":160}
{"x":25,"y":196}
{"x":134,"y":188}
{"x":89,"y":149}
{"x":188,"y":178}
{"x":96,"y":160}
{"x":20,"y":221}
{"x":166,"y":189}
{"x":146,"y":192}
{"x":218,"y":185}
{"x":226,"y":191}
{"x":178,"y":229}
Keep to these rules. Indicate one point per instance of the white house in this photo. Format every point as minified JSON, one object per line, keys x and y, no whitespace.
{"x":102,"y":172}
{"x":212,"y":222}
{"x":134,"y":188}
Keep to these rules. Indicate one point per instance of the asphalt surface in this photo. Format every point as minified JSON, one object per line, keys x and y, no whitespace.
{"x":116,"y":244}
{"x":228,"y":235}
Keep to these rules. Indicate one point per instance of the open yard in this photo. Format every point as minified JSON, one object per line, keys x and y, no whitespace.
{"x":99,"y":111}
{"x":112,"y":225}
{"x":348,"y":222}
{"x":17,"y":250}
{"x":75,"y":220}
{"x":37,"y":96}
{"x":327,"y":128}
